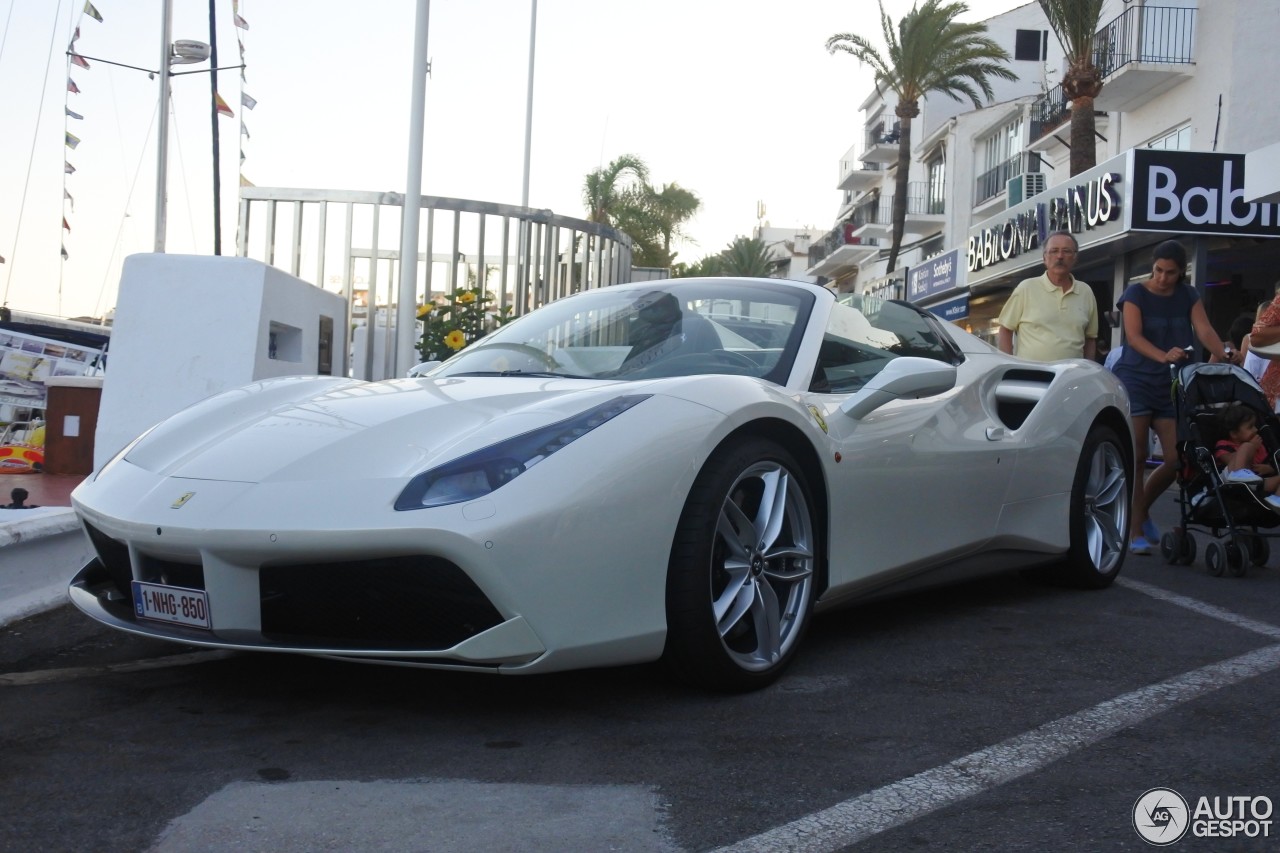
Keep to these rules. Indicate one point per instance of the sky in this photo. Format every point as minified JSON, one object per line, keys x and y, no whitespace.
{"x":736,"y":100}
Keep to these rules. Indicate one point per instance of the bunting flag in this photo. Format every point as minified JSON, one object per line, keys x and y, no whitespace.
{"x":1,"y":259}
{"x":72,"y":87}
{"x":72,"y":141}
{"x":241,"y":22}
{"x":67,"y":168}
{"x":75,"y":36}
{"x":244,"y":131}
{"x":77,"y":59}
{"x":65,"y":256}
{"x":68,"y":197}
{"x":74,"y":114}
{"x":223,"y":109}
{"x":245,"y":182}
{"x":92,"y":12}
{"x":247,"y":102}
{"x":241,"y":156}
{"x":66,"y":224}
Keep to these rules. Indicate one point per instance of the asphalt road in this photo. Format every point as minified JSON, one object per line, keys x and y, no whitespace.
{"x":996,"y":715}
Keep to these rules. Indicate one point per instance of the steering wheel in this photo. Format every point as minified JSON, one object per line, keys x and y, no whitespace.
{"x":735,"y":358}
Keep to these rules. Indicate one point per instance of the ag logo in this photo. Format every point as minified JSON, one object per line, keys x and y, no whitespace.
{"x":1161,"y":816}
{"x":181,"y":501}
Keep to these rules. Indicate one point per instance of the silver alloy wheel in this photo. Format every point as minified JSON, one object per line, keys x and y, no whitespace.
{"x":1106,"y":507}
{"x":762,"y":566}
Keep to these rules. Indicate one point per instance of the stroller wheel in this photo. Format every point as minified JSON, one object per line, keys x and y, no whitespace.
{"x":1169,"y":547}
{"x":1178,"y":546}
{"x":1215,"y":559}
{"x":1259,"y":550}
{"x":1235,"y":560}
{"x":1187,"y":551}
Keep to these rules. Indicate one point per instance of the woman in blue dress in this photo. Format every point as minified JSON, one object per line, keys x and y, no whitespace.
{"x":1163,"y":319}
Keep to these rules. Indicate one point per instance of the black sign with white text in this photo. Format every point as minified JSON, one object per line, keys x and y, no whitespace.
{"x":1196,"y":192}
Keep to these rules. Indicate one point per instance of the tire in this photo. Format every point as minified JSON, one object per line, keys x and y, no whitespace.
{"x":1169,"y":547}
{"x":1187,"y":553}
{"x":1259,"y":550}
{"x":742,"y":575}
{"x":1235,"y":560}
{"x":1215,"y":559}
{"x":1099,"y":513}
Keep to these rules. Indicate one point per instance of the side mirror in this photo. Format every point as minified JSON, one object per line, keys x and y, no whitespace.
{"x":903,"y":378}
{"x":422,"y":368}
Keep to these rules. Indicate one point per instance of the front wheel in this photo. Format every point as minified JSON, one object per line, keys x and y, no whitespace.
{"x":741,"y":578}
{"x":1099,"y":521}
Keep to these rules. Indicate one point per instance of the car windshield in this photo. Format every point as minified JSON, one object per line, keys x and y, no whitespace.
{"x":668,"y":328}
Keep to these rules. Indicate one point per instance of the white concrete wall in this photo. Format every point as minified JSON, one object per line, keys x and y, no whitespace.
{"x":188,"y":327}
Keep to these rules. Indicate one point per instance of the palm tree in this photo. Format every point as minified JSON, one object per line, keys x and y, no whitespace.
{"x":1075,"y":22}
{"x":928,"y":51}
{"x":747,"y":256}
{"x":604,"y":189}
{"x":654,"y":219}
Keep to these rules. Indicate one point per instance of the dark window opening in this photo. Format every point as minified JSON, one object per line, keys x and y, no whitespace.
{"x":1031,"y":45}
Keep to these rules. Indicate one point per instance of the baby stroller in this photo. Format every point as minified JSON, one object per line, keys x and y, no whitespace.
{"x":1233,"y":512}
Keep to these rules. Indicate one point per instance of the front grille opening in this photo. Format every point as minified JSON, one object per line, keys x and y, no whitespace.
{"x":414,"y":602}
{"x":114,"y":556}
{"x":169,"y":573}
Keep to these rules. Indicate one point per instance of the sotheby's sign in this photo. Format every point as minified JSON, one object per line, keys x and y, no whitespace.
{"x":1144,"y":189}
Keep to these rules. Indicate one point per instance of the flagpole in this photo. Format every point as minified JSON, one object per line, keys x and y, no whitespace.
{"x":162,"y":134}
{"x":213,"y":115}
{"x":407,"y":303}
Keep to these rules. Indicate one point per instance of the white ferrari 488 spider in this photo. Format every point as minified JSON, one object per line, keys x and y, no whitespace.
{"x":682,"y":470}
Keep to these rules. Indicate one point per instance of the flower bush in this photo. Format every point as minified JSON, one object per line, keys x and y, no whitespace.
{"x":461,"y":320}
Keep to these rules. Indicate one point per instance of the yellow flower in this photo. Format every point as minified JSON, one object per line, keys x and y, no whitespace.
{"x":424,"y":310}
{"x":467,"y":298}
{"x":455,"y":340}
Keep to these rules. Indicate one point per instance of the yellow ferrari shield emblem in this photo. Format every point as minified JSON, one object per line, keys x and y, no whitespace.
{"x":181,"y":501}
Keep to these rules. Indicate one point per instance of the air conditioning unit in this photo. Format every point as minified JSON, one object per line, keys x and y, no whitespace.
{"x":1021,"y":187}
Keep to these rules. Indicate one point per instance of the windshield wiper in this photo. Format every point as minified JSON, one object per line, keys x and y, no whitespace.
{"x":530,"y":373}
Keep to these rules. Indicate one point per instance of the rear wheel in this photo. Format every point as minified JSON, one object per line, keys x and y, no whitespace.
{"x":1099,"y":522}
{"x":741,"y":579}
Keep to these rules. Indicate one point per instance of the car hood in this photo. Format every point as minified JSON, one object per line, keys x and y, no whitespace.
{"x":358,"y":430}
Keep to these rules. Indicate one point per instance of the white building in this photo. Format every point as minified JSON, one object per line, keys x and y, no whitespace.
{"x":1183,"y":100}
{"x":788,"y":249}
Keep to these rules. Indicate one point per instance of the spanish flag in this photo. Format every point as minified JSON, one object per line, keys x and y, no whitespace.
{"x":222,"y":105}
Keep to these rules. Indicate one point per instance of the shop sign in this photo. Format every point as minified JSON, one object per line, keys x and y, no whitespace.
{"x":934,"y":276}
{"x":952,"y":309}
{"x":1091,"y":201}
{"x":1196,"y":192}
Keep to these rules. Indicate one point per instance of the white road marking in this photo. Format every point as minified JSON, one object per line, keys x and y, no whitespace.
{"x":904,"y":801}
{"x":1212,"y":611}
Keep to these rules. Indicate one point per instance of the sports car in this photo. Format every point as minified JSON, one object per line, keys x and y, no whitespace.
{"x":684,"y":470}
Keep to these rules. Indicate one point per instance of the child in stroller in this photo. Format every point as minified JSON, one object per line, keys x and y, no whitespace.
{"x":1243,"y":454}
{"x":1220,"y":493}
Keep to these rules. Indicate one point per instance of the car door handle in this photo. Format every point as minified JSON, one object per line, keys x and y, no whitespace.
{"x":997,"y":433}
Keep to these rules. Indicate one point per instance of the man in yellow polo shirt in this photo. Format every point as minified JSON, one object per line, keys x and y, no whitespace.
{"x":1053,"y":315}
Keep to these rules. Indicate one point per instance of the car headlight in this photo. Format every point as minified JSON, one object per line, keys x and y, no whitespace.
{"x":481,"y":472}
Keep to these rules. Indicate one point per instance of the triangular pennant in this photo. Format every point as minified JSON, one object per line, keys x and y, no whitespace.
{"x":247,"y":102}
{"x":72,"y":141}
{"x":241,"y":22}
{"x":77,"y":59}
{"x":67,"y":168}
{"x":74,"y":114}
{"x":66,"y":224}
{"x":92,"y":12}
{"x":72,"y":87}
{"x":75,"y":36}
{"x":68,"y":197}
{"x":244,"y":130}
{"x":221,"y":105}
{"x":65,"y":256}
{"x":245,"y":182}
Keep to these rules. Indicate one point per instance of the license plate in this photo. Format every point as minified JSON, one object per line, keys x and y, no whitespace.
{"x":171,"y":604}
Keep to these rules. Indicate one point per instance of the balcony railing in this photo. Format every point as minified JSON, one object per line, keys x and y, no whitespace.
{"x":1159,"y":34}
{"x":841,"y":235}
{"x":992,"y":182}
